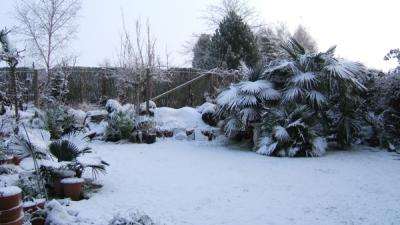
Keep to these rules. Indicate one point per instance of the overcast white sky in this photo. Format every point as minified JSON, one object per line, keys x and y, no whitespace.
{"x":363,"y":30}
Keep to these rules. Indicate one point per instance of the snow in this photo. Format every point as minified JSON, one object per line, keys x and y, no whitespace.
{"x":183,"y":118}
{"x":9,"y":191}
{"x":197,"y":183}
{"x":73,"y":180}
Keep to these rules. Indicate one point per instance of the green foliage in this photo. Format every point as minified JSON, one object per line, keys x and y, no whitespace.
{"x":315,"y":95}
{"x":59,"y":122}
{"x":202,"y":58}
{"x":290,"y":131}
{"x":120,"y":126}
{"x":234,"y":42}
{"x":65,"y":150}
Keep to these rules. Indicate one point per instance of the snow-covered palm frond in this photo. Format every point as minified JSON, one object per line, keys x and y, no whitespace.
{"x":319,"y":146}
{"x":233,"y":126}
{"x":228,"y":98}
{"x":292,"y":151}
{"x":254,"y":87}
{"x":278,"y":66}
{"x":305,"y":80}
{"x":249,"y":114}
{"x":316,"y":98}
{"x":269,"y":94}
{"x":293,"y":93}
{"x":346,"y":70}
{"x":296,"y":123}
{"x":281,"y":134}
{"x":246,"y":101}
{"x":266,"y":146}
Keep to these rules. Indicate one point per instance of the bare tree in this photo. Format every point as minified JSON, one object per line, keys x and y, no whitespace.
{"x":48,"y":25}
{"x":302,"y":36}
{"x":138,"y":60}
{"x":11,"y":56}
{"x":216,"y":12}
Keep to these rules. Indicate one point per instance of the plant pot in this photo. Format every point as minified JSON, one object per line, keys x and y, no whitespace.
{"x":72,"y":188}
{"x":11,"y":214}
{"x":16,"y":160}
{"x":6,"y":160}
{"x":31,"y":207}
{"x":18,"y":221}
{"x":38,"y":221}
{"x":10,"y":197}
{"x":56,"y":181}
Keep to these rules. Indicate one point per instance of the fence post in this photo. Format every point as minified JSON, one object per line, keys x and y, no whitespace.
{"x":35,"y":86}
{"x":148,"y":91}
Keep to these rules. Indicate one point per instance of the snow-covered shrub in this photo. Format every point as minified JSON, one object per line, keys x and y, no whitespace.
{"x":131,"y":218}
{"x":113,"y":106}
{"x":290,"y":132}
{"x":57,"y":214}
{"x":124,"y":124}
{"x":120,"y":126}
{"x":59,"y":122}
{"x":208,"y":113}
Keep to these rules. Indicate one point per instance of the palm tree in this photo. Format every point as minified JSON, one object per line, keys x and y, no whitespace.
{"x":296,"y":101}
{"x":328,"y":85}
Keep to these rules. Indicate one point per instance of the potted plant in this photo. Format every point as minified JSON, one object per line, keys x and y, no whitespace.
{"x":10,"y":215}
{"x":10,"y":197}
{"x":38,"y":217}
{"x":10,"y":206}
{"x":72,"y":188}
{"x":5,"y":159}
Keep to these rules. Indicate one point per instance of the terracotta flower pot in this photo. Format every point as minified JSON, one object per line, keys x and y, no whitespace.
{"x":10,"y":197}
{"x":33,"y":206}
{"x":11,"y":214}
{"x":6,"y":160}
{"x":72,"y":188}
{"x":56,"y":182}
{"x":18,"y":221}
{"x":38,"y":221}
{"x":16,"y":160}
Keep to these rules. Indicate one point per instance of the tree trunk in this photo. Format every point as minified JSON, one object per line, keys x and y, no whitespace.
{"x":14,"y":90}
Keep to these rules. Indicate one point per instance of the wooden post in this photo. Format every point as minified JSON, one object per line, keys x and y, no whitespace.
{"x":148,"y":91}
{"x":14,"y":90}
{"x":35,"y":86}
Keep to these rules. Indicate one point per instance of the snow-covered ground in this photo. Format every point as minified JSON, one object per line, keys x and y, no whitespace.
{"x":182,"y":182}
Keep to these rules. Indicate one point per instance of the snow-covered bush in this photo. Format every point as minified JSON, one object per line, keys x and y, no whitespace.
{"x":57,"y":214}
{"x":123,"y":123}
{"x":120,"y":126}
{"x":59,"y":121}
{"x":131,"y":218}
{"x":290,"y":132}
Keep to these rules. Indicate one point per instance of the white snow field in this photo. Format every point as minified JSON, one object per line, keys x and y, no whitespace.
{"x":210,"y":183}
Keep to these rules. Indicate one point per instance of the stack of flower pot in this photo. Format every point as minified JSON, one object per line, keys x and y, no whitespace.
{"x":32,"y":207}
{"x":72,"y":188}
{"x":11,"y":206}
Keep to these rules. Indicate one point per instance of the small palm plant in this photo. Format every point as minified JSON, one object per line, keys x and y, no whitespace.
{"x":290,"y":131}
{"x":69,"y":148}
